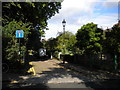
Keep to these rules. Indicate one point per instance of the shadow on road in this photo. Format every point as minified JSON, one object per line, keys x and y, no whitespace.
{"x":107,"y":83}
{"x":42,"y":58}
{"x":24,"y":85}
{"x":41,"y":79}
{"x":112,"y":83}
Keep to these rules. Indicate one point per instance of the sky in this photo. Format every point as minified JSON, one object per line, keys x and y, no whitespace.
{"x":77,"y":13}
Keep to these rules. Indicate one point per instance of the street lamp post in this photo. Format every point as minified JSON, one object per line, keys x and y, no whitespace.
{"x":63,"y":23}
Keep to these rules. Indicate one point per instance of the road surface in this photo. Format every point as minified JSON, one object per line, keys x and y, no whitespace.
{"x":51,"y":74}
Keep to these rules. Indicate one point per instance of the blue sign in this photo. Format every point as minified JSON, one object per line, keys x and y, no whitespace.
{"x":19,"y":33}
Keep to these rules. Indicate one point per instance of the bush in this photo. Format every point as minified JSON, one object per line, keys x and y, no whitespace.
{"x":11,"y":45}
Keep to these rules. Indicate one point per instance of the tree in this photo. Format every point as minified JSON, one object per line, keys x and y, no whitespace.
{"x":35,"y":13}
{"x":70,"y":45}
{"x":66,"y":41}
{"x":112,"y":41}
{"x":34,"y":42}
{"x":11,"y":46}
{"x":25,"y":16}
{"x":89,"y":39}
{"x":51,"y":45}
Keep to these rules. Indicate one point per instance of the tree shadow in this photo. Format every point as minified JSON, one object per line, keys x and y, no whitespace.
{"x":53,"y":75}
{"x":35,"y":58}
{"x":107,"y":84}
{"x":10,"y":80}
{"x":57,"y":73}
{"x":24,"y":85}
{"x":110,"y":75}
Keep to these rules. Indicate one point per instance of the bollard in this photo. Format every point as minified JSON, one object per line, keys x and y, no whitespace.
{"x":115,"y":62}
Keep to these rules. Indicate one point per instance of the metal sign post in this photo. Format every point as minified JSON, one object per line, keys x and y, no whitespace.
{"x":19,"y":34}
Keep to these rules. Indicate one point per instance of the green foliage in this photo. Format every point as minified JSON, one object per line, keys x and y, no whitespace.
{"x":62,"y":43}
{"x":112,"y":41}
{"x":89,"y":38}
{"x":56,"y":54}
{"x":51,"y":45}
{"x":34,"y":12}
{"x":28,"y":12}
{"x":66,"y":42}
{"x":11,"y":43}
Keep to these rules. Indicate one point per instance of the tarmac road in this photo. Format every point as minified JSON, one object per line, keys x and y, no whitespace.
{"x":49,"y":74}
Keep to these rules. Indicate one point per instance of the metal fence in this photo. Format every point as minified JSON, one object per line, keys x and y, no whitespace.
{"x":97,"y":61}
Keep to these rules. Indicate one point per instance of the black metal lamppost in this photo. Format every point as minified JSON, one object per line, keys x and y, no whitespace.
{"x":63,"y":23}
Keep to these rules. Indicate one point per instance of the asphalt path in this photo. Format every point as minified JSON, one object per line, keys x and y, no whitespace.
{"x":49,"y":74}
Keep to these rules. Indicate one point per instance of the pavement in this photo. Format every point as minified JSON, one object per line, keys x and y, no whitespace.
{"x":54,"y":74}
